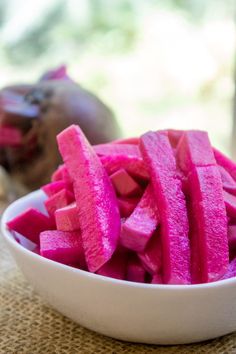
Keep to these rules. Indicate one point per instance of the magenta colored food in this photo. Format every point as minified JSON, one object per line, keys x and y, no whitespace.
{"x":159,"y":209}
{"x":58,"y":200}
{"x":228,"y":182}
{"x":151,"y":258}
{"x":140,"y":226}
{"x":157,"y":279}
{"x":67,"y":218}
{"x":98,"y":209}
{"x":10,"y":136}
{"x":30,"y":223}
{"x":194,"y":149}
{"x":230,"y":204}
{"x":132,"y":164}
{"x":209,"y":245}
{"x":61,"y":246}
{"x":171,"y":204}
{"x":116,"y":266}
{"x":124,"y":184}
{"x":117,"y":150}
{"x":127,"y":206}
{"x":225,"y":162}
{"x":52,"y":188}
{"x":132,"y":141}
{"x":135,"y":270}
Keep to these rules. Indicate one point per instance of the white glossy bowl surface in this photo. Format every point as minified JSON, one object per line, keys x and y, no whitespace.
{"x":160,"y":314}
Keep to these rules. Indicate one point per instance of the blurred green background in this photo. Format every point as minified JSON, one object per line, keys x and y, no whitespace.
{"x":158,"y":64}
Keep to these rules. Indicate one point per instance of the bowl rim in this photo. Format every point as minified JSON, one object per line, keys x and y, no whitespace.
{"x":12,"y":243}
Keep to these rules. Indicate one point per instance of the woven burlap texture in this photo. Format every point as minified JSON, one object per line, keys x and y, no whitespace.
{"x":29,"y":326}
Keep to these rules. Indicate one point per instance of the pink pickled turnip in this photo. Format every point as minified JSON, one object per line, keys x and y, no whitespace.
{"x":62,"y":246}
{"x":116,"y":266}
{"x":52,"y":188}
{"x":67,"y":218}
{"x":194,"y":149}
{"x":231,"y":271}
{"x":158,"y":156}
{"x":230,"y":204}
{"x":225,"y":162}
{"x":132,"y":164}
{"x":174,"y":136}
{"x":30,"y":223}
{"x":135,"y":270}
{"x":228,"y":182}
{"x":140,"y":226}
{"x":124,"y":184}
{"x":132,"y":141}
{"x":58,"y":174}
{"x":58,"y":200}
{"x":95,"y":198}
{"x":127,"y":206}
{"x":111,"y":149}
{"x":157,"y":279}
{"x":232,"y":241}
{"x":151,"y":258}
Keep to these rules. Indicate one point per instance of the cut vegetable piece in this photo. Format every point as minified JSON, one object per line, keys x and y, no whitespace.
{"x":116,"y":266}
{"x":30,"y":223}
{"x":174,"y":136}
{"x":225,"y":162}
{"x":159,"y":158}
{"x":127,"y":206}
{"x":140,"y":226}
{"x":95,"y":197}
{"x":58,"y":174}
{"x":151,"y":258}
{"x":194,"y":149}
{"x":117,"y":150}
{"x":230,"y":204}
{"x":124,"y":184}
{"x":132,"y":141}
{"x":210,"y":215}
{"x":232,"y":241}
{"x":58,"y":201}
{"x":67,"y":218}
{"x":52,"y":188}
{"x":228,"y":182}
{"x":10,"y":136}
{"x":135,"y":270}
{"x":64,"y":247}
{"x":157,"y":279}
{"x":231,"y":271}
{"x":134,"y":165}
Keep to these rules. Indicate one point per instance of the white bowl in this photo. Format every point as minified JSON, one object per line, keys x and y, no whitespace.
{"x":158,"y":314}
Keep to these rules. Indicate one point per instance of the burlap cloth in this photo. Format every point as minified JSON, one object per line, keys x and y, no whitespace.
{"x":28,"y":326}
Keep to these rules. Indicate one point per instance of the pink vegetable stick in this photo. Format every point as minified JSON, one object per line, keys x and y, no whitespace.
{"x":228,"y":182}
{"x":194,"y":150}
{"x":151,"y":258}
{"x":61,"y":246}
{"x":58,"y":174}
{"x":127,"y":206}
{"x":135,"y":270}
{"x":124,"y":184}
{"x":132,"y":164}
{"x":159,"y":159}
{"x":231,"y":271}
{"x":67,"y":218}
{"x":111,"y":149}
{"x":95,"y":198}
{"x":52,"y":188}
{"x":230,"y":204}
{"x":58,"y":200}
{"x":140,"y":226}
{"x":133,"y":141}
{"x":232,"y":240}
{"x":225,"y":162}
{"x":116,"y":266}
{"x":30,"y":223}
{"x":157,"y":279}
{"x":209,"y":243}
